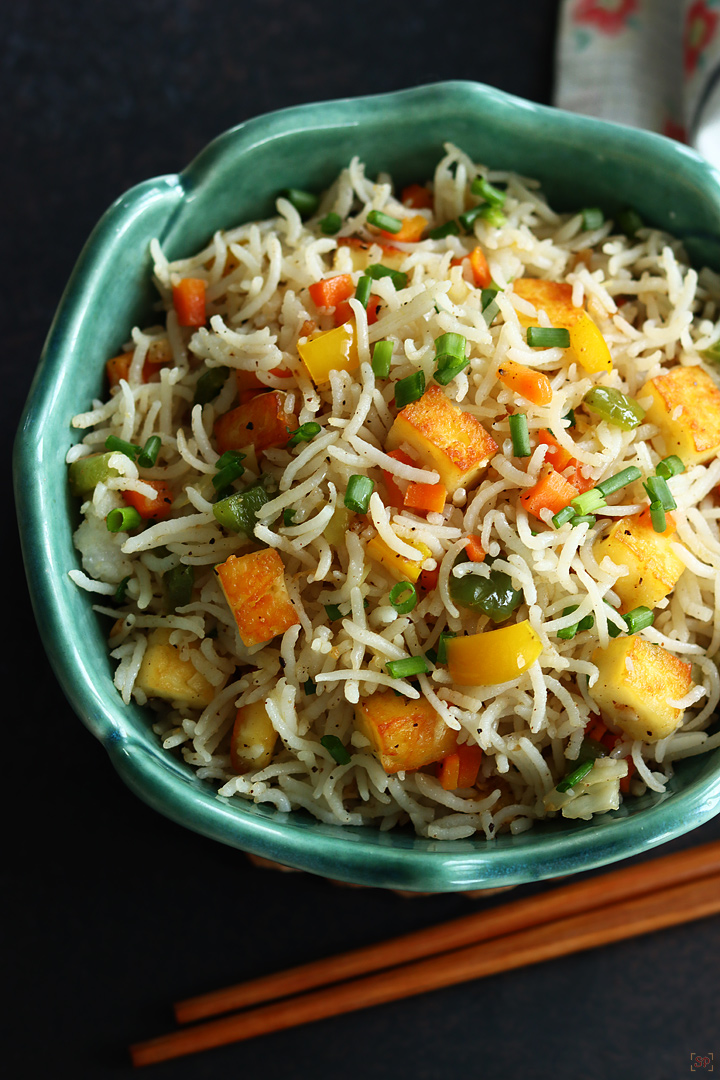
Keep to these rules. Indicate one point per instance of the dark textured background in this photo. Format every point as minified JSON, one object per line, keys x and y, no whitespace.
{"x":112,"y":912}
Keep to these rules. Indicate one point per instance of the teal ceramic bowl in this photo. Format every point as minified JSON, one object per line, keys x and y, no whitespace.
{"x":580,"y":162}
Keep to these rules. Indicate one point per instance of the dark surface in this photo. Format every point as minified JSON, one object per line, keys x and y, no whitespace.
{"x":114,"y":912}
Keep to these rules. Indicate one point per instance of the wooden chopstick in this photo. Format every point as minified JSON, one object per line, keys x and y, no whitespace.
{"x":557,"y":903}
{"x":635,"y":900}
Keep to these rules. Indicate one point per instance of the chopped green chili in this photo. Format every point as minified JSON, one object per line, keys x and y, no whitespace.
{"x":210,"y":384}
{"x":238,"y":512}
{"x":358,"y":492}
{"x":384,"y":221}
{"x":336,"y":749}
{"x":548,"y":337}
{"x":615,"y":407}
{"x":331,"y":223}
{"x":305,"y":433}
{"x":178,"y":586}
{"x":520,"y":434}
{"x":409,"y":389}
{"x":403,"y":597}
{"x":592,"y":218}
{"x":575,"y":776}
{"x":381,"y":359}
{"x":638,"y":619}
{"x":485,"y":190}
{"x":122,"y":519}
{"x":409,"y":665}
{"x":304,"y":201}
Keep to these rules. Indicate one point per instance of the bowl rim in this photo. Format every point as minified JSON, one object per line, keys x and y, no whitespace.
{"x":454,"y":865}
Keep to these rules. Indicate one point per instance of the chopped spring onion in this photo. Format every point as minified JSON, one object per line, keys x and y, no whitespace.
{"x":121,"y":591}
{"x":431,"y":655}
{"x":450,"y":228}
{"x":304,"y":201}
{"x":377,"y":270}
{"x":629,"y":221}
{"x":445,"y":635}
{"x":583,"y":519}
{"x":227,"y":457}
{"x":210,"y":384}
{"x":331,"y":223}
{"x":488,"y":304}
{"x":592,"y":218}
{"x":384,"y":221}
{"x":519,"y":434}
{"x":548,"y":337}
{"x":448,"y":369}
{"x":574,"y":777}
{"x":409,"y":665}
{"x":485,"y":190}
{"x":468,"y":217}
{"x":178,"y":585}
{"x":305,"y":433}
{"x":336,"y":749}
{"x":149,"y":453}
{"x":450,"y":357}
{"x":403,"y":597}
{"x":588,"y":502}
{"x":657,"y":517}
{"x":638,"y":619}
{"x":228,"y":471}
{"x":362,"y":290}
{"x":357,"y":495}
{"x":409,"y":389}
{"x":569,"y":632}
{"x":333,"y":612}
{"x":121,"y":447}
{"x":614,"y":630}
{"x":493,"y":215}
{"x":381,"y":358}
{"x":563,"y":516}
{"x":670,"y":466}
{"x":658,"y":491}
{"x":619,"y":480}
{"x":123,"y":518}
{"x":570,"y":417}
{"x":309,"y":687}
{"x":288,"y":517}
{"x":615,"y":407}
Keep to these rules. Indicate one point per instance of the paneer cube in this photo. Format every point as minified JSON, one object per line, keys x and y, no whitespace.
{"x":365,"y":252}
{"x":260,"y":423}
{"x":253,"y":738}
{"x":654,"y":567}
{"x":445,"y":438}
{"x":553,"y":297}
{"x":638,"y":687}
{"x":164,"y":674}
{"x":400,"y":568}
{"x":254,"y":587}
{"x":686,"y":408}
{"x":404,"y":734}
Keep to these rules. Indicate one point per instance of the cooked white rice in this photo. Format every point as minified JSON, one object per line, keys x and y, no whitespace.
{"x":654,"y":312}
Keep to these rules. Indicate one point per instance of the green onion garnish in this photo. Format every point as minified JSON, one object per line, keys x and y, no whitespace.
{"x":670,"y":466}
{"x":570,"y":416}
{"x":548,"y":337}
{"x":658,"y":491}
{"x":657,"y":517}
{"x":519,"y":434}
{"x":614,"y":406}
{"x":230,"y":471}
{"x":362,"y":290}
{"x":488,"y":304}
{"x":638,"y":619}
{"x":377,"y":270}
{"x":450,"y":357}
{"x":493,"y":215}
{"x":563,"y":516}
{"x":122,"y":519}
{"x":431,"y":655}
{"x":409,"y":665}
{"x":288,"y":517}
{"x":121,"y":591}
{"x":119,"y":446}
{"x":305,"y":433}
{"x":583,"y":519}
{"x":588,"y":502}
{"x":357,"y":495}
{"x":409,"y":389}
{"x":445,"y":636}
{"x":309,"y":687}
{"x":304,"y":201}
{"x":450,"y":228}
{"x":575,"y":776}
{"x":149,"y":453}
{"x":336,"y":749}
{"x":619,"y":480}
{"x":614,"y":630}
{"x":592,"y":218}
{"x":629,"y":221}
{"x":448,"y":369}
{"x":381,"y":358}
{"x":468,"y":217}
{"x":384,"y":221}
{"x":333,"y":612}
{"x":210,"y":384}
{"x":569,"y":632}
{"x":485,"y":190}
{"x":331,"y":223}
{"x":228,"y":457}
{"x":403,"y":597}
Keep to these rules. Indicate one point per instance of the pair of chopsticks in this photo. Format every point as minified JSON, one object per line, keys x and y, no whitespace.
{"x":610,"y":907}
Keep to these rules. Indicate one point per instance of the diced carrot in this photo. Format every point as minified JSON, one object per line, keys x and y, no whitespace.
{"x":525,"y":381}
{"x":448,"y":772}
{"x":556,"y":455}
{"x":428,"y":579}
{"x":410,"y":231}
{"x":395,"y":493}
{"x":474,"y":549}
{"x":344,"y":313}
{"x":189,"y":302}
{"x":595,"y":729}
{"x":118,"y":367}
{"x":460,"y":769}
{"x":416,"y":197}
{"x":261,"y":422}
{"x":625,"y":780}
{"x":480,"y":269}
{"x":578,"y":481}
{"x":552,"y":492}
{"x":248,"y":380}
{"x":329,"y":292}
{"x":307,"y":328}
{"x":151,"y":509}
{"x":429,"y":497}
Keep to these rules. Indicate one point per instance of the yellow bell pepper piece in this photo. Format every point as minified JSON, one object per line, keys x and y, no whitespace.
{"x":496,"y":656}
{"x":335,"y":350}
{"x":337,"y":526}
{"x":400,"y":568}
{"x":589,"y":345}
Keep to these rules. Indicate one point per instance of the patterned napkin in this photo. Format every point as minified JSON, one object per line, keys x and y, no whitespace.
{"x":651,"y":64}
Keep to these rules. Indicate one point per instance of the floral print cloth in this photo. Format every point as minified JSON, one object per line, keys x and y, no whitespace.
{"x":647,"y":63}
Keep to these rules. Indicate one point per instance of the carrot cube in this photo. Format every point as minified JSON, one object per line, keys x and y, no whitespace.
{"x":552,"y":492}
{"x":261,"y":422}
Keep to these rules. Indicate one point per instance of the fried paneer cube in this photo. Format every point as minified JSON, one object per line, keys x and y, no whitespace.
{"x":253,"y":738}
{"x":552,"y":297}
{"x":654,"y":567}
{"x":254,"y":587}
{"x":405,"y":734}
{"x":639,"y":684}
{"x":686,"y":408}
{"x":261,"y":423}
{"x":164,"y":674}
{"x":445,"y":438}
